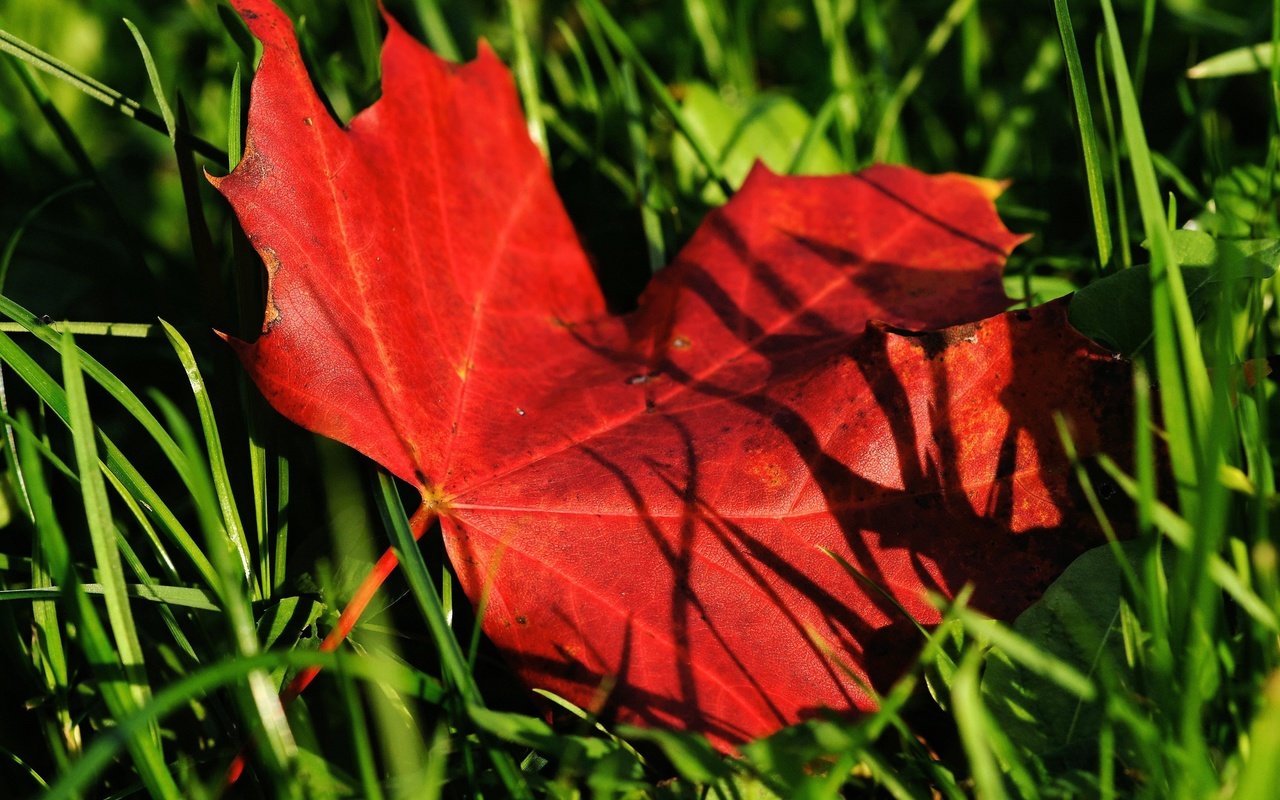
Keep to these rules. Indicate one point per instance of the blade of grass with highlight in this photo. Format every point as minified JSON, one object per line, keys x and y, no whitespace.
{"x":1088,"y":134}
{"x":102,"y":533}
{"x":55,"y":398}
{"x":21,"y":428}
{"x":527,"y":75}
{"x":181,"y":596}
{"x":405,"y":534}
{"x":347,"y":620}
{"x":1238,"y":61}
{"x":360,"y":739}
{"x":230,"y":515}
{"x":47,"y":647}
{"x":92,"y":636}
{"x":834,"y":19}
{"x":587,"y":92}
{"x":99,"y":91}
{"x":1181,"y":372}
{"x":364,"y":29}
{"x":1183,"y":534}
{"x":707,"y":21}
{"x":1275,"y":70}
{"x":1261,"y":774}
{"x":225,"y":539}
{"x":1254,"y":418}
{"x":436,"y":29}
{"x":235,"y":131}
{"x":1028,"y":654}
{"x":815,"y":133}
{"x":51,"y":336}
{"x":1123,"y":246}
{"x":166,"y":113}
{"x":268,"y":578}
{"x":386,"y":673}
{"x":281,"y":521}
{"x":119,"y":330}
{"x":975,"y":728}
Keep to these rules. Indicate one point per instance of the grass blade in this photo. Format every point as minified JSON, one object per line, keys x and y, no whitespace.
{"x":92,"y":636}
{"x":119,"y":330}
{"x":99,"y":91}
{"x":436,"y":29}
{"x":833,"y":21}
{"x":1183,"y":535}
{"x":527,"y":75}
{"x":55,"y":397}
{"x":643,"y":170}
{"x":385,"y":673}
{"x":1179,"y":366}
{"x":230,"y":516}
{"x":102,"y":528}
{"x":956,"y":13}
{"x":455,"y":665}
{"x":1240,"y":61}
{"x":1088,"y":134}
{"x":622,"y":42}
{"x":50,"y":335}
{"x":1028,"y":654}
{"x":975,"y":728}
{"x":182,"y":596}
{"x":166,"y":113}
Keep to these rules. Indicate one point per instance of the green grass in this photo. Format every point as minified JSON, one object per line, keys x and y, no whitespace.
{"x":171,"y":551}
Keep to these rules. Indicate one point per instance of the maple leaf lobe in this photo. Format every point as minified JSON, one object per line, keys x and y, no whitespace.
{"x":345,"y":211}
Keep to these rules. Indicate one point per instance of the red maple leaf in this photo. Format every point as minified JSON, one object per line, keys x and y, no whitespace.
{"x":648,"y":498}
